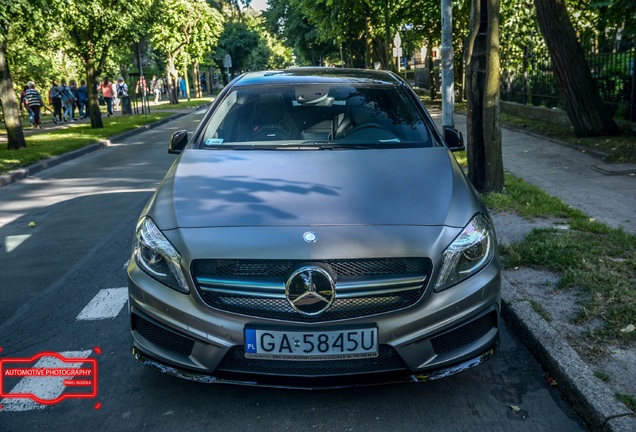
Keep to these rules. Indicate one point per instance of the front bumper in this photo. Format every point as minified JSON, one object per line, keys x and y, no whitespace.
{"x":446,"y":333}
{"x":319,"y":384}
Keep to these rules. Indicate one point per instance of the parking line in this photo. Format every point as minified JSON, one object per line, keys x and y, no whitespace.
{"x":48,"y":388}
{"x":106,"y":304}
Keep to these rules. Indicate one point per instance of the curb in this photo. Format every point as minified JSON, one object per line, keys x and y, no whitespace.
{"x":592,"y":399}
{"x":22,"y":173}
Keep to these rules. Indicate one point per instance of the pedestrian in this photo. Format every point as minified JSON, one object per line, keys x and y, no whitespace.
{"x":182,"y":87}
{"x":82,"y":99}
{"x":55,"y":99}
{"x":33,"y":101}
{"x":142,"y":86}
{"x":107,"y":93}
{"x":72,"y":84}
{"x":67,"y":101}
{"x":121,"y":90}
{"x":155,"y":87}
{"x":25,"y":105}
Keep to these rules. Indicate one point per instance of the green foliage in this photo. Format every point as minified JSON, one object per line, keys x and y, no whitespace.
{"x":238,"y":40}
{"x":184,"y":27}
{"x":628,"y":400}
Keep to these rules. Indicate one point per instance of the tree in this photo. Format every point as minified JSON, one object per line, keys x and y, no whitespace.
{"x":485,"y":162}
{"x":94,"y":28}
{"x":177,"y":24}
{"x":576,"y":85}
{"x":285,"y":20}
{"x":25,"y":14}
{"x":238,"y":40}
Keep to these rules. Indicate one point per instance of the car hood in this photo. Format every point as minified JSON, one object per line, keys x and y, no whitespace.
{"x":260,"y":188}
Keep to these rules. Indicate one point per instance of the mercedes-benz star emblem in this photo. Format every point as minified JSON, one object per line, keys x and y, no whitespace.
{"x":310,"y":290}
{"x":310,"y":237}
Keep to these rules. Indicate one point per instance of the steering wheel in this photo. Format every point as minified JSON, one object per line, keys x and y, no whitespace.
{"x":366,"y":126}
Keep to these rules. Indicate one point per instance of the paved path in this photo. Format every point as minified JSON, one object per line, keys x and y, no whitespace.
{"x":602,"y":191}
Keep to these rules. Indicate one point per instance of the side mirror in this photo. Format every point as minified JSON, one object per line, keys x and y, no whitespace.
{"x":454,"y":139}
{"x":178,"y":142}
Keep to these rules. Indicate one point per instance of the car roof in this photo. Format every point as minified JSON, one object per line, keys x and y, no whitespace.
{"x":317,"y":75}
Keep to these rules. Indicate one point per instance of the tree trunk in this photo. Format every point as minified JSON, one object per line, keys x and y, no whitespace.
{"x":485,"y":164}
{"x":9,"y":102}
{"x":368,"y":40}
{"x":494,"y":173}
{"x":93,"y":101}
{"x":196,"y":77}
{"x":388,"y":38}
{"x":576,"y":85}
{"x":171,"y":76}
{"x":431,"y":68}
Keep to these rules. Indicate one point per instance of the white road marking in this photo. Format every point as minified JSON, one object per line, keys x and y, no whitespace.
{"x":106,"y":304}
{"x":12,"y":242}
{"x":47,"y":388}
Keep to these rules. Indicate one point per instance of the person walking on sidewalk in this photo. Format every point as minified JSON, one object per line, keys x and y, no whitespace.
{"x":156,"y":86}
{"x":33,"y":101}
{"x":82,"y":99}
{"x":55,"y":99}
{"x":67,"y":101}
{"x":24,"y":105}
{"x":72,"y":85}
{"x":106,"y":88}
{"x":121,"y":90}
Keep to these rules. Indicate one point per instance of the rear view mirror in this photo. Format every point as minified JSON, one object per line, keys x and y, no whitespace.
{"x":454,"y":139}
{"x":178,"y":142}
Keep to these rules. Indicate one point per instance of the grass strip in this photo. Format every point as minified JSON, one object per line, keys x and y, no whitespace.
{"x":590,"y":257}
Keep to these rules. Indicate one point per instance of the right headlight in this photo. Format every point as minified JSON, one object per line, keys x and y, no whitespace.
{"x":157,"y":257}
{"x":471,"y":250}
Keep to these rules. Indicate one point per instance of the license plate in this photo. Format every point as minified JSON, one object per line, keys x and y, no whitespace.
{"x":315,"y":345}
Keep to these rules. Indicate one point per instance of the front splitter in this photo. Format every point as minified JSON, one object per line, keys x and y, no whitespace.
{"x":413,"y":378}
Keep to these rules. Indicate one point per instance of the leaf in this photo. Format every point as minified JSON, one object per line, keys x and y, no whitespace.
{"x":629,"y":329}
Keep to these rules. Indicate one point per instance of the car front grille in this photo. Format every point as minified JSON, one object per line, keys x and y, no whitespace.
{"x":363,"y":286}
{"x":387,"y":360}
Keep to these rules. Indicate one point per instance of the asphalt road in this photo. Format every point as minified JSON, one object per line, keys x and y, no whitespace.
{"x":62,"y":290}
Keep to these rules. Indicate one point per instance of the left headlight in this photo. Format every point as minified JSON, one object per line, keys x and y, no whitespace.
{"x":471,"y":250}
{"x":157,"y":257}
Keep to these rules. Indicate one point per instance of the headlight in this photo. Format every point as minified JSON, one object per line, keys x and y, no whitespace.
{"x":471,"y":250}
{"x":157,"y":257}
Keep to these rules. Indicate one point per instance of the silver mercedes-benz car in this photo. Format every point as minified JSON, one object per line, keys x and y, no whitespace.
{"x":315,"y":231}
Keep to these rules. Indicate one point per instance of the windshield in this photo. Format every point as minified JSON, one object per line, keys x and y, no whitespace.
{"x":316,"y":116}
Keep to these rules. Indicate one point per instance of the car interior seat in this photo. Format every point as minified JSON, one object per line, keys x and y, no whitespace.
{"x":359,"y":112}
{"x":271,"y":118}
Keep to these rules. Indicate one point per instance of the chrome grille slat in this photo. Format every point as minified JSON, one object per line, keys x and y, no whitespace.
{"x":363,"y":287}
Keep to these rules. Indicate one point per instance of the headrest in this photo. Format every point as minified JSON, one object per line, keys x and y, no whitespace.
{"x":270,"y":107}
